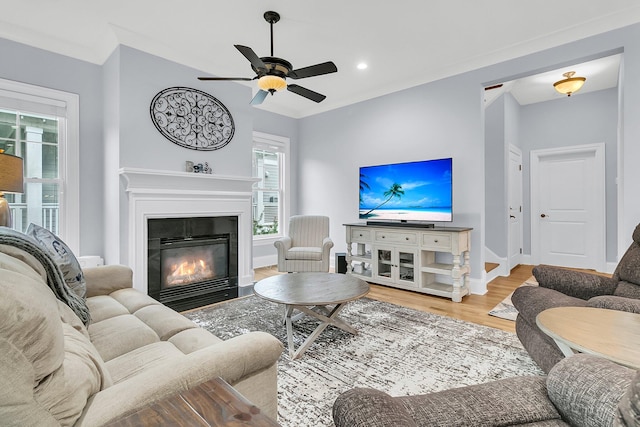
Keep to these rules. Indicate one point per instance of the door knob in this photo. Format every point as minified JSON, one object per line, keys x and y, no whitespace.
{"x":543,"y":215}
{"x":512,"y":216}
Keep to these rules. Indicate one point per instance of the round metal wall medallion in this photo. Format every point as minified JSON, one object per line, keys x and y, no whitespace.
{"x":192,"y":119}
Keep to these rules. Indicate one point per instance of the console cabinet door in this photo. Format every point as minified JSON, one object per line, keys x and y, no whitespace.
{"x":395,"y":265}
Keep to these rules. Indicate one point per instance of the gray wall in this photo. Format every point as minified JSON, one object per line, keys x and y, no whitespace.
{"x":439,"y":119}
{"x":495,"y":184}
{"x":445,"y":118}
{"x":141,"y":76}
{"x":588,"y":118}
{"x":427,"y":122}
{"x":582,"y":119}
{"x":33,"y":66}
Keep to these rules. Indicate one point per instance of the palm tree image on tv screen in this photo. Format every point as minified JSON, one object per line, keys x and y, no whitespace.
{"x":412,"y":191}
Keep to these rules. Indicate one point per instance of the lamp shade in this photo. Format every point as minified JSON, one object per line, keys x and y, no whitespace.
{"x":271,"y":83}
{"x":11,"y":175}
{"x":570,"y":84}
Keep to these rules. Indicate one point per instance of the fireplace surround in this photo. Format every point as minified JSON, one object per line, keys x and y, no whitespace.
{"x":155,"y":194}
{"x":192,"y":262}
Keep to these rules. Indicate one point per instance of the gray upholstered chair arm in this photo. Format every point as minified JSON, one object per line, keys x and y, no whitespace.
{"x":574,"y":283}
{"x":612,"y":302}
{"x":365,"y":407}
{"x":586,"y":389}
{"x":106,"y":279}
{"x":511,"y":401}
{"x":327,"y":244}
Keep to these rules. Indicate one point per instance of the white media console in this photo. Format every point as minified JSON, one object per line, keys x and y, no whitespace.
{"x":405,"y":257}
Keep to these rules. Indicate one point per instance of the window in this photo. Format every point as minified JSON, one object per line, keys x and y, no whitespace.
{"x":41,"y":126}
{"x":34,"y":138}
{"x":269,"y":200}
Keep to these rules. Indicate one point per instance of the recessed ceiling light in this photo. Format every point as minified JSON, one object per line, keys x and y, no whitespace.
{"x":362,"y":66}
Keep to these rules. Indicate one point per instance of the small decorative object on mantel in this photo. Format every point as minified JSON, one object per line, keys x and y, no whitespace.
{"x":198,"y":167}
{"x":192,"y":119}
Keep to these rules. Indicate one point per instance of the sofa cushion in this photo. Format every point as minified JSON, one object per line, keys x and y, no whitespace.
{"x":194,"y":339}
{"x":62,"y":255}
{"x":629,"y":407}
{"x":365,"y":407}
{"x":141,"y":359}
{"x":132,"y":299}
{"x":17,"y":404}
{"x":104,"y":307}
{"x":45,"y":343}
{"x":118,"y":335}
{"x":305,"y":253}
{"x":36,"y":270}
{"x":30,"y":317}
{"x":69,"y":317}
{"x":587,"y":389}
{"x":627,"y":290}
{"x":164,"y":321}
{"x":533,"y":300}
{"x":66,"y":390}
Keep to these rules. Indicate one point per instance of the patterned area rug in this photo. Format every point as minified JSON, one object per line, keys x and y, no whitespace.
{"x":505,"y":309}
{"x":398,"y":350}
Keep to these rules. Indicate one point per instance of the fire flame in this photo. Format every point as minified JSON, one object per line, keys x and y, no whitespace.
{"x":188,"y":272}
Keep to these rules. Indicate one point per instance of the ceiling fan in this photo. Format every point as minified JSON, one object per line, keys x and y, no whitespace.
{"x":271,"y":72}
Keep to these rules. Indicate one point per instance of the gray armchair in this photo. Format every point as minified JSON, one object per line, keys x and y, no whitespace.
{"x":560,"y":287}
{"x":307,"y":247}
{"x":582,"y":390}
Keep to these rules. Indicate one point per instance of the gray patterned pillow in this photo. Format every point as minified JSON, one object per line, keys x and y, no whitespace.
{"x":62,"y":256}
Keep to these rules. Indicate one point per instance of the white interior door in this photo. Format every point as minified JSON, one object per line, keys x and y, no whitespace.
{"x":515,"y":206}
{"x":568,"y":206}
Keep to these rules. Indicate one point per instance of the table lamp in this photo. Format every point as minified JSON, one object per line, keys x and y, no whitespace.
{"x":11,"y":180}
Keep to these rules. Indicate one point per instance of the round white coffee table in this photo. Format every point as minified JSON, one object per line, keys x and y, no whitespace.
{"x":305,"y":291}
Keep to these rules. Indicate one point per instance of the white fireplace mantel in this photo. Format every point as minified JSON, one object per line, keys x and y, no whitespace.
{"x":170,"y":194}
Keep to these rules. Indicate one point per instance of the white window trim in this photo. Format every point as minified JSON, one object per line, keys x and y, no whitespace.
{"x":69,"y":153}
{"x":283,"y":144}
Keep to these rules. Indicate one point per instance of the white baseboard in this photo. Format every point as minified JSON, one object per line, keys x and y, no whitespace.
{"x":265,"y":261}
{"x":478,"y":286}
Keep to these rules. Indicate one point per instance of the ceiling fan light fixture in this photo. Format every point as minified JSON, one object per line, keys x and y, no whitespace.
{"x":271,"y":83}
{"x":569,"y":84}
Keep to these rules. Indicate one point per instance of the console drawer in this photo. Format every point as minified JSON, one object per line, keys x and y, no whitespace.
{"x":360,"y":235}
{"x":436,"y":241}
{"x":392,"y":237}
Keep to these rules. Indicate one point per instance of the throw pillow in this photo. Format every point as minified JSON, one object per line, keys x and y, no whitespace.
{"x":62,"y":256}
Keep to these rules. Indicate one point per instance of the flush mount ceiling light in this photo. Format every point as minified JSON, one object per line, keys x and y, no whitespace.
{"x":271,"y":83}
{"x":570,"y":84}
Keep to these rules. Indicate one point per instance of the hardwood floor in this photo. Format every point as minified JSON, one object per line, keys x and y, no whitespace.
{"x":473,"y":308}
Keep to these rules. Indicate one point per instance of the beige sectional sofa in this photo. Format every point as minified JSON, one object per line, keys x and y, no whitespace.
{"x":55,"y":371}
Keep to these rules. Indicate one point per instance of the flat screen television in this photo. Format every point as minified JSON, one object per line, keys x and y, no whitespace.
{"x":413,"y":192}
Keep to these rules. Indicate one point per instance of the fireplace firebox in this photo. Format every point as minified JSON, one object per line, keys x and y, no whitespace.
{"x":192,"y":261}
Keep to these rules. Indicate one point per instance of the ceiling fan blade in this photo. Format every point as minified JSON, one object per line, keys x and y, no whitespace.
{"x":314,"y":70}
{"x":260,"y":96}
{"x":226,"y":78}
{"x":251,"y":56}
{"x":302,"y":91}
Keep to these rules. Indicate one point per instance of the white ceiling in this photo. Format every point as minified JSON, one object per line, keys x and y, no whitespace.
{"x":405,"y":43}
{"x":602,"y":73}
